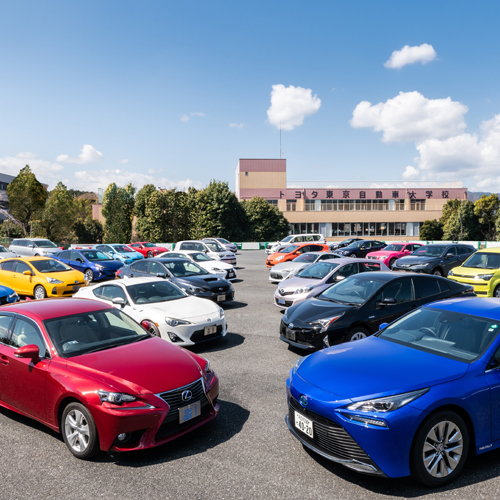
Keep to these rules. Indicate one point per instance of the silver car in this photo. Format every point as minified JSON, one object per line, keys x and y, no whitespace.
{"x":286,"y":270}
{"x":230,"y":247}
{"x":316,"y":278}
{"x":212,"y":248}
{"x":5,"y":254}
{"x":33,"y":247}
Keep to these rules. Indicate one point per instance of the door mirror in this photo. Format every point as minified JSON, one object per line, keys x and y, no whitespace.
{"x":30,"y":245}
{"x":79,"y":260}
{"x":161,"y":275}
{"x":382,"y":326}
{"x":27,"y":273}
{"x":386,"y":302}
{"x":364,"y":248}
{"x":340,"y":278}
{"x":119,"y":301}
{"x":449,"y":255}
{"x":27,"y":351}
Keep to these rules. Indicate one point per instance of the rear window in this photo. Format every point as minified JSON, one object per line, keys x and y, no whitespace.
{"x":369,"y":266}
{"x":426,"y":287}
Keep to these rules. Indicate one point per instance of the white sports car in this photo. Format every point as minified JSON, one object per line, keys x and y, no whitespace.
{"x":218,"y":267}
{"x":162,"y":308}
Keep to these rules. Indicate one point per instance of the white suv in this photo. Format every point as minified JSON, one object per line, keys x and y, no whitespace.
{"x":31,"y":247}
{"x":296,"y":238}
{"x":212,"y":249}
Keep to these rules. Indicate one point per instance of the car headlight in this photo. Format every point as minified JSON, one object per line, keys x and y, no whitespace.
{"x":116,"y":398}
{"x":285,"y":270}
{"x":176,"y":322}
{"x":221,"y":313}
{"x":426,"y":264}
{"x":298,"y":363}
{"x":326,"y":322}
{"x":381,"y":257}
{"x":450,"y":273}
{"x":217,"y":269}
{"x":281,"y":258}
{"x":99,"y":267}
{"x":53,"y":281}
{"x":387,"y":404}
{"x":196,"y":289}
{"x":304,"y":290}
{"x":485,"y":277}
{"x":13,"y":295}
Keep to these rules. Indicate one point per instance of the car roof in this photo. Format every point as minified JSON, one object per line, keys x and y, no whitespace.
{"x":392,"y":275}
{"x":31,"y":259}
{"x":163,"y":259}
{"x":127,"y":282}
{"x":55,"y":307}
{"x":489,"y":250}
{"x":477,"y":306}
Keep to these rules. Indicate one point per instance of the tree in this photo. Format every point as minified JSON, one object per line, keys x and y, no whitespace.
{"x":27,"y":197}
{"x":156,"y":216}
{"x":486,"y":209}
{"x":266,"y":222}
{"x":450,"y":207}
{"x":142,"y":224}
{"x":118,"y":212}
{"x":463,"y":224}
{"x":88,"y":230}
{"x":431,"y":230}
{"x":59,"y":215}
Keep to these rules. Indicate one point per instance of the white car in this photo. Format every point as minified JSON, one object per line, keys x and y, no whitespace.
{"x":213,"y":249}
{"x":221,"y":269}
{"x":162,"y":308}
{"x":295,"y":238}
{"x":5,"y":254}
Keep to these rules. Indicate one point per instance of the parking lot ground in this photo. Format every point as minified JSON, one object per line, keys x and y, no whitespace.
{"x":246,"y":453}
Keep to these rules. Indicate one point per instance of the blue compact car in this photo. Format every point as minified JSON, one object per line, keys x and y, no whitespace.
{"x":123,"y":253}
{"x":94,"y":264}
{"x":8,"y":296}
{"x":417,"y":398}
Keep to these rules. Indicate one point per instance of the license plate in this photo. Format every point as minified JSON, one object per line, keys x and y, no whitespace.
{"x":281,"y":301}
{"x":304,"y":424}
{"x":220,"y":298}
{"x":190,"y":411}
{"x":209,"y":330}
{"x":290,"y":334}
{"x":231,"y":274}
{"x":76,"y":288}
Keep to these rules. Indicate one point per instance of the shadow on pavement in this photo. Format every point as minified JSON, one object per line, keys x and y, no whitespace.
{"x":221,"y":344}
{"x":234,"y":304}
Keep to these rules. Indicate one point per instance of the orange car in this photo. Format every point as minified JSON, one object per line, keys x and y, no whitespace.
{"x":293,"y":251}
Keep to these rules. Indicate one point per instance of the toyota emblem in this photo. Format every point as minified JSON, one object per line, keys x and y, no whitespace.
{"x":303,"y":400}
{"x":187,"y":395}
{"x":290,"y":326}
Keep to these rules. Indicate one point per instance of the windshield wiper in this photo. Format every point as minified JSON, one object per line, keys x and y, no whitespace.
{"x":103,"y":348}
{"x":142,"y":337}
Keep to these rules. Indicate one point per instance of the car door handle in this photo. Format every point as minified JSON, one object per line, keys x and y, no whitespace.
{"x":4,"y":360}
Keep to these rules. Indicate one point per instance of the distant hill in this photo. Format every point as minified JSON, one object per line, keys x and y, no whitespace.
{"x":473,"y":196}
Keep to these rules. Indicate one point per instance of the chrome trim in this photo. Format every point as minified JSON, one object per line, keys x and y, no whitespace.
{"x":347,"y":463}
{"x":296,"y":344}
{"x":148,"y":407}
{"x":179,"y":388}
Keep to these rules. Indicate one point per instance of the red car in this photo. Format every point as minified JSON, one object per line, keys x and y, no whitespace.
{"x":147,"y":249}
{"x":393,"y":252}
{"x":92,"y":373}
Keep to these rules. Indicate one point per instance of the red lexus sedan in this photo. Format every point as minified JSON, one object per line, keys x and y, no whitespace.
{"x":95,"y":375}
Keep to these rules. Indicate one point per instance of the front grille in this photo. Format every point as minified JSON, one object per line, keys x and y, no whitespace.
{"x":374,"y":258}
{"x":480,"y":293}
{"x":329,"y":436}
{"x":220,"y":289}
{"x":288,"y":303}
{"x":229,"y":274}
{"x":199,"y":335}
{"x":283,"y":293}
{"x":275,"y":275}
{"x":4,"y":300}
{"x":173,"y":398}
{"x":464,"y":276}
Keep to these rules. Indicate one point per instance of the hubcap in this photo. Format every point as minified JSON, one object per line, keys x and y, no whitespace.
{"x":497,"y":292}
{"x":358,"y":336}
{"x":443,"y":449}
{"x":436,"y":273}
{"x":89,"y":275}
{"x":77,"y":430}
{"x":39,"y":293}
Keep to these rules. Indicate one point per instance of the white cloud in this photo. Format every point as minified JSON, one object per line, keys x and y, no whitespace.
{"x":186,"y":118}
{"x":88,"y":155}
{"x":409,"y":55}
{"x":411,"y":117}
{"x":102,"y":178}
{"x":45,"y":171}
{"x":237,"y":125}
{"x":290,"y":105}
{"x":410,"y":172}
{"x":198,"y":113}
{"x":125,"y":160}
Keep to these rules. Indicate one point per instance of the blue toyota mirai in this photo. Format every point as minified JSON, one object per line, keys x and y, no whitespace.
{"x":414,"y":399}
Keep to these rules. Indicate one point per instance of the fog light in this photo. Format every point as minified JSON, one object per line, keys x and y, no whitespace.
{"x":54,"y":291}
{"x":366,"y":420}
{"x":173,"y":337}
{"x":122,"y":436}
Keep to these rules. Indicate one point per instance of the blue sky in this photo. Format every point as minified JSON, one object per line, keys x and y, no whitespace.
{"x":93,"y":92}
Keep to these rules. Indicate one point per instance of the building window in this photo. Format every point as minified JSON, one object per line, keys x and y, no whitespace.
{"x":246,"y":174}
{"x":372,"y":229}
{"x":291,"y":205}
{"x":273,"y":202}
{"x":312,"y":205}
{"x":417,"y":205}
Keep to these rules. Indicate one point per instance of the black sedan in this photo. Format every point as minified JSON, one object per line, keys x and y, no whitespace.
{"x":356,"y":307}
{"x":435,"y":259}
{"x":183,"y":273}
{"x":342,"y":244}
{"x":360,"y":248}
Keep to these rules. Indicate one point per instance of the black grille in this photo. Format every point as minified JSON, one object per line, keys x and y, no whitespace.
{"x":199,"y":335}
{"x":329,"y":436}
{"x":3,"y":300}
{"x":229,"y":274}
{"x":276,"y":275}
{"x":288,"y":303}
{"x":220,"y":289}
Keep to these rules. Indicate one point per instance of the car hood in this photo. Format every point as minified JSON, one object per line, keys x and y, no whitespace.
{"x":296,"y":282}
{"x":382,"y":252}
{"x":108,"y":264}
{"x":376,"y":367}
{"x":290,"y":265}
{"x":185,"y":308}
{"x":472,"y":271}
{"x":313,"y":309}
{"x":411,"y":260}
{"x":210,"y":280}
{"x":5,"y":290}
{"x":215,"y":263}
{"x":147,"y":367}
{"x":69,"y":277}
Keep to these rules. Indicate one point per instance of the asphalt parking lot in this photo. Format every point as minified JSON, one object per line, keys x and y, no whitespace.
{"x":247,"y":452}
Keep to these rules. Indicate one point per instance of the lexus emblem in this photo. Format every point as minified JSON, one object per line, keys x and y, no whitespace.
{"x":290,"y":325}
{"x":303,"y":400}
{"x":187,"y":395}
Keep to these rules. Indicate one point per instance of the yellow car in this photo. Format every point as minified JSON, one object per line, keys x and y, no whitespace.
{"x":40,"y":277}
{"x":482,"y":271}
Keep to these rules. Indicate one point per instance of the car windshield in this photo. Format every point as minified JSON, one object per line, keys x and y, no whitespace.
{"x":430,"y":251}
{"x":93,"y":331}
{"x":446,"y":333}
{"x":353,"y":290}
{"x":214,"y":247}
{"x":123,"y":249}
{"x":184,"y":268}
{"x":483,"y":260}
{"x":3,"y":249}
{"x":306,"y":257}
{"x":318,"y":271}
{"x":94,"y":255}
{"x":287,"y":239}
{"x":50,"y":266}
{"x":355,"y":244}
{"x":393,"y":248}
{"x":151,"y":293}
{"x":199,"y":257}
{"x":44,"y":244}
{"x":289,"y":249}
{"x":222,"y":240}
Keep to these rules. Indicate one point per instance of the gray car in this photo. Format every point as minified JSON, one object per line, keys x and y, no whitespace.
{"x":230,"y":247}
{"x":286,"y":270}
{"x":5,"y":254}
{"x":33,"y":247}
{"x":316,"y":278}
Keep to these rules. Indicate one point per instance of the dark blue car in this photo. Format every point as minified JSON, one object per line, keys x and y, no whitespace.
{"x":8,"y":296}
{"x":94,"y":264}
{"x":415,"y":399}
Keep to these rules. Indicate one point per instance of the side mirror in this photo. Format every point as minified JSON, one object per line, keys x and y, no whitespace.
{"x":27,"y":273}
{"x":363,"y":248}
{"x":31,"y":245}
{"x":382,"y":326}
{"x":27,"y":351}
{"x":161,"y":275}
{"x":449,"y":255}
{"x":79,"y":260}
{"x":386,"y":302}
{"x":119,"y":301}
{"x":340,"y":278}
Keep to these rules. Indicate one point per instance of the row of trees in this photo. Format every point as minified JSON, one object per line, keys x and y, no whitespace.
{"x":464,"y":220}
{"x":150,"y":214}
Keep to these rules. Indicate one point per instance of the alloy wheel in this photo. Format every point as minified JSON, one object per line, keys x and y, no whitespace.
{"x":358,"y":336}
{"x":496,"y":293}
{"x":150,"y":254}
{"x":89,"y":275}
{"x":443,"y":448}
{"x":39,"y":292}
{"x":77,"y":430}
{"x":437,"y":272}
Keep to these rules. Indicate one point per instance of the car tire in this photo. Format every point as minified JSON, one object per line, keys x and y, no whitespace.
{"x":392,"y":262}
{"x":437,"y":272}
{"x":151,"y":327}
{"x":89,"y":275}
{"x":150,"y":255}
{"x":357,"y":333}
{"x":353,"y":255}
{"x":496,"y":292}
{"x":39,"y":292}
{"x":433,"y":460}
{"x":79,"y":431}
